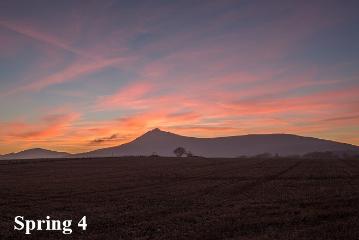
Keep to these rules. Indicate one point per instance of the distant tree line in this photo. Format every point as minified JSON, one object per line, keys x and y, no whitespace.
{"x":310,"y":155}
{"x":182,"y":152}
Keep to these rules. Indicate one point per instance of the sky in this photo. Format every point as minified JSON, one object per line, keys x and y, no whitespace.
{"x":81,"y":75}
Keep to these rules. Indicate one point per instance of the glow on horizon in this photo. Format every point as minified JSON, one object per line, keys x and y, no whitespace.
{"x":81,"y":76}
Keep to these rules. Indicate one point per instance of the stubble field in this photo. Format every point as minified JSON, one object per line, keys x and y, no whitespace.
{"x":184,"y":198}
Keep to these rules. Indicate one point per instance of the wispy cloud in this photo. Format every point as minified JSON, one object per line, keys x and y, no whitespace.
{"x":50,"y":125}
{"x":112,"y":138}
{"x":342,"y":119}
{"x":40,"y":36}
{"x":70,"y":73}
{"x":134,"y":95}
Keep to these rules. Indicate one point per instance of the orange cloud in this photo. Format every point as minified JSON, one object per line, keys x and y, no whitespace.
{"x":50,"y":125}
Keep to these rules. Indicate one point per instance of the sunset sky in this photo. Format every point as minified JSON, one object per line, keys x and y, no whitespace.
{"x":81,"y":75}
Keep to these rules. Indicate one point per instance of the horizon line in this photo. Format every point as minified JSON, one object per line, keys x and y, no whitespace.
{"x":159,"y":129}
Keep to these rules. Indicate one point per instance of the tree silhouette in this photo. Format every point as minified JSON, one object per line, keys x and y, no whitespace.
{"x":179,"y":151}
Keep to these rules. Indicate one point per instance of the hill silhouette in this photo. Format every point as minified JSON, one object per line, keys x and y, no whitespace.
{"x":35,"y":153}
{"x":163,"y":143}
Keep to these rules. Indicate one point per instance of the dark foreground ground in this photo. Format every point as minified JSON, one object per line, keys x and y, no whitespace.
{"x":171,"y":198}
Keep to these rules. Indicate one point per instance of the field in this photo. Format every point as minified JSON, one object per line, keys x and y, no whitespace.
{"x":184,"y":198}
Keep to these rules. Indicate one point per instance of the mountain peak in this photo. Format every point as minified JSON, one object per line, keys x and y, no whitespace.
{"x":36,"y":149}
{"x":155,"y":135}
{"x":156,"y":130}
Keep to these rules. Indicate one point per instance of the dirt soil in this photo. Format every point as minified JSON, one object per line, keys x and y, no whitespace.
{"x":184,"y":198}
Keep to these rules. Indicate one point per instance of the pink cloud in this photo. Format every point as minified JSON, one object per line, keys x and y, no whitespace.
{"x":133,"y":95}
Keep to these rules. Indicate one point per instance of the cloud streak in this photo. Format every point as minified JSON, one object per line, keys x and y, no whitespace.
{"x":39,"y":36}
{"x":113,"y":137}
